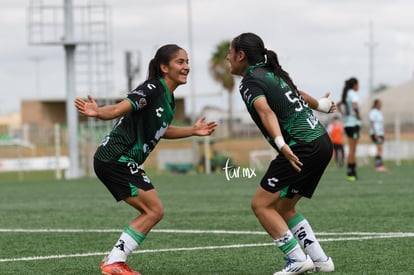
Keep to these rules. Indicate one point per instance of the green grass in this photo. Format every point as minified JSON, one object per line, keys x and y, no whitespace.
{"x":378,"y":203}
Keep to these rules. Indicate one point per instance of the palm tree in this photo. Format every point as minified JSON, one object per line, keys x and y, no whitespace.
{"x":220,"y":70}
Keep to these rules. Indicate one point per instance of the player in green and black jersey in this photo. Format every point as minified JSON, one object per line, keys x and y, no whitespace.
{"x":144,"y":117}
{"x":284,"y":115}
{"x":296,"y":119}
{"x":136,"y":133}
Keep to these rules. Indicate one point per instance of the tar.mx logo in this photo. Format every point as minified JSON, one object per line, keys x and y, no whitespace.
{"x":235,"y":172}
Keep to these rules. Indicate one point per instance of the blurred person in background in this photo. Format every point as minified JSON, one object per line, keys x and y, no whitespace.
{"x":376,"y":131}
{"x":349,"y":108}
{"x":335,"y":130}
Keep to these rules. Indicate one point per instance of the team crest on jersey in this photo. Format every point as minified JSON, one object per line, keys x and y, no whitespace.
{"x":141,"y":103}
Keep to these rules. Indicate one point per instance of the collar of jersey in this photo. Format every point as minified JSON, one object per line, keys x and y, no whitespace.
{"x":169,"y":98}
{"x":258,"y":65}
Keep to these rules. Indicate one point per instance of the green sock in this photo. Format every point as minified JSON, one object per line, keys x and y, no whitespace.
{"x":290,"y":247}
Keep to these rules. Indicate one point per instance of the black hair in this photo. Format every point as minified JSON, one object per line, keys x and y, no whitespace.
{"x":374,"y":104}
{"x":256,"y":53}
{"x":162,"y":56}
{"x":349,"y":84}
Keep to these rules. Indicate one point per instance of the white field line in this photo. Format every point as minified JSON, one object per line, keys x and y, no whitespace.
{"x":185,"y":231}
{"x":363,"y":236}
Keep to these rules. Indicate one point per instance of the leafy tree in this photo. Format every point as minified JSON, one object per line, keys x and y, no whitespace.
{"x":220,"y":70}
{"x":380,"y":88}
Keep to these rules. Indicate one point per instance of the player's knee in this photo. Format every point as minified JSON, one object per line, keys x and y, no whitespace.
{"x":156,"y":214}
{"x":286,"y":212}
{"x":256,"y":206}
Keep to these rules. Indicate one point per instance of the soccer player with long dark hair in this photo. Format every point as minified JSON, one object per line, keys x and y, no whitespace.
{"x":349,"y":107}
{"x":284,"y":116}
{"x":144,"y":117}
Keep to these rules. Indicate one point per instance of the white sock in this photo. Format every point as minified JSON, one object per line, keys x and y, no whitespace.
{"x":304,"y":234}
{"x":290,"y":247}
{"x":123,"y":247}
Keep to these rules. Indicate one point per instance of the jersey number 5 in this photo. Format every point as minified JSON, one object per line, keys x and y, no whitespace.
{"x":298,"y":100}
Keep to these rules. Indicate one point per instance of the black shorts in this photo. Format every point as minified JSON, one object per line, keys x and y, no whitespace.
{"x":281,"y":176}
{"x":122,"y":179}
{"x":352,"y":132}
{"x":377,"y":139}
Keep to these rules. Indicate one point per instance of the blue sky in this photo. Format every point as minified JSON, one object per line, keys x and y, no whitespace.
{"x":320,"y":43}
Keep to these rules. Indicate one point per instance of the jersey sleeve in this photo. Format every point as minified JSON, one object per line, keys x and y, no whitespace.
{"x":371,"y":116}
{"x":142,"y":95}
{"x":251,"y":91}
{"x":355,"y":98}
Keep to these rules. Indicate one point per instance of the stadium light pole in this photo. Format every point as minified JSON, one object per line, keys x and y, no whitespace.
{"x":71,"y":113}
{"x":47,"y":26}
{"x":190,"y":49}
{"x":371,"y":44}
{"x":192,"y":93}
{"x":132,"y":67}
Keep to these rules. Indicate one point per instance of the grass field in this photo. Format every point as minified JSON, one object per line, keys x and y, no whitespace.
{"x":66,"y":227}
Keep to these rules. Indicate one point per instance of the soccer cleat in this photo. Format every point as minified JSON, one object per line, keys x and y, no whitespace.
{"x":381,"y":168}
{"x":119,"y":268}
{"x":103,"y":262}
{"x":351,"y":178}
{"x":326,"y":266}
{"x":295,"y":267}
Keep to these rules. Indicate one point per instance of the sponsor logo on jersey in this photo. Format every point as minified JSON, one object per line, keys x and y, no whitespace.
{"x":159,"y":111}
{"x":158,"y":134}
{"x":139,"y":92}
{"x":151,"y":86}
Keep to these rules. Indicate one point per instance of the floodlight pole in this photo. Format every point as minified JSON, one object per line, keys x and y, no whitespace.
{"x":71,"y":113}
{"x":190,"y":48}
{"x":207,"y":163}
{"x":371,"y":44}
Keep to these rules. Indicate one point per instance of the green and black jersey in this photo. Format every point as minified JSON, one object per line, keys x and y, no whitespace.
{"x":135,"y":135}
{"x":296,"y":119}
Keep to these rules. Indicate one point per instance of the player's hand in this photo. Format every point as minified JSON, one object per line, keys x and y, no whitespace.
{"x":202,"y":128}
{"x":291,"y":157}
{"x":326,"y":105}
{"x":87,"y":108}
